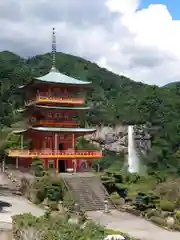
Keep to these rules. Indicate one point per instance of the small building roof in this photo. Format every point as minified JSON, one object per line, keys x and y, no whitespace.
{"x":53,"y":107}
{"x":56,"y":129}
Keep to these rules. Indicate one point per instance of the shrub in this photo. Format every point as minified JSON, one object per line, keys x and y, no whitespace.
{"x":118,"y":177}
{"x":25,"y":185}
{"x":55,"y":228}
{"x":109,"y":185}
{"x":49,"y":186}
{"x":142,"y":201}
{"x":122,"y":191}
{"x":177,"y":215}
{"x":158,"y":220}
{"x":55,"y":192}
{"x":176,"y":227}
{"x":38,"y":167}
{"x":152,"y":212}
{"x":132,"y":178}
{"x":166,"y":205}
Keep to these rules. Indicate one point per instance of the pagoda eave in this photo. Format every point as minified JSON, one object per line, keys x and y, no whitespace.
{"x":51,"y":107}
{"x":56,"y":129}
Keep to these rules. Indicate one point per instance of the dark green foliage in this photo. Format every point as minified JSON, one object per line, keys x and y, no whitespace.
{"x":118,"y":177}
{"x":109,"y":185}
{"x":55,"y":192}
{"x":50,"y":187}
{"x":158,"y":220}
{"x":56,"y":228}
{"x":144,"y":201}
{"x":166,"y":205}
{"x":131,"y":178}
{"x":38,"y":168}
{"x":121,"y":190}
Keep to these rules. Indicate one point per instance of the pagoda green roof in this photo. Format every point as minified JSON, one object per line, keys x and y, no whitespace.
{"x":54,"y":76}
{"x":54,"y":107}
{"x":56,"y":129}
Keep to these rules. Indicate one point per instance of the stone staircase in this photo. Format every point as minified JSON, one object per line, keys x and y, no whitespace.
{"x":87,"y":190}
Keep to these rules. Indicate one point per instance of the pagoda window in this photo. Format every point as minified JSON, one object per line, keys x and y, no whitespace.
{"x":66,"y":117}
{"x":57,"y":115}
{"x":51,"y":164}
{"x":48,"y":143}
{"x":50,"y":115}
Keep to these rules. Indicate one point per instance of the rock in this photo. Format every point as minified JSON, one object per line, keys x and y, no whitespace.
{"x":122,"y":201}
{"x":73,"y":220}
{"x":115,"y":139}
{"x":170,"y":221}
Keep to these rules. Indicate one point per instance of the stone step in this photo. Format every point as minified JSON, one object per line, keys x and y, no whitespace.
{"x":87,"y":191}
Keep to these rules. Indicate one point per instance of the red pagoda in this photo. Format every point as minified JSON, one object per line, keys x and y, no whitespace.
{"x":53,"y":106}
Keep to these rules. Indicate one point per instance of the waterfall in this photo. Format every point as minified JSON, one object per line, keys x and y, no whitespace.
{"x":133,"y":159}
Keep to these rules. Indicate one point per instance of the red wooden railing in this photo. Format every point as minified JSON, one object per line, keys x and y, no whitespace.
{"x":73,"y":100}
{"x":56,"y":154}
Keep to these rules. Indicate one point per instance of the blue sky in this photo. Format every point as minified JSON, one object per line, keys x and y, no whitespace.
{"x":172,"y":5}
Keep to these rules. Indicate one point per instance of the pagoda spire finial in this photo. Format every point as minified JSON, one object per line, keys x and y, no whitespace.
{"x":53,"y":51}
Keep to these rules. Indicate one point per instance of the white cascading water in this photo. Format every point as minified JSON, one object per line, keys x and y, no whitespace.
{"x":133,"y":159}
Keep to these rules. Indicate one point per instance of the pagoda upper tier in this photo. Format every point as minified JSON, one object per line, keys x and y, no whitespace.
{"x":55,"y":77}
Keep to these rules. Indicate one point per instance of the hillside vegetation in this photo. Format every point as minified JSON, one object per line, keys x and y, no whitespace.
{"x":114,"y":99}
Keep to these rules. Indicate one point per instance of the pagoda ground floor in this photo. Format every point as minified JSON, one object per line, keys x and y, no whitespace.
{"x":60,"y":165}
{"x":62,"y":161}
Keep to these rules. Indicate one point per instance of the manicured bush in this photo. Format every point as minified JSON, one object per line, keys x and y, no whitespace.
{"x":177,"y":214}
{"x":38,"y":167}
{"x":152,"y":212}
{"x":50,"y":187}
{"x":121,"y":190}
{"x":118,"y":177}
{"x":166,"y":205}
{"x":158,"y":220}
{"x":55,"y":192}
{"x":109,"y":185}
{"x":176,"y":227}
{"x":142,"y":201}
{"x":131,"y":178}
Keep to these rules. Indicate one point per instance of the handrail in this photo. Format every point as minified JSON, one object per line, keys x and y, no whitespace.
{"x":53,"y":123}
{"x":67,"y":99}
{"x":67,"y":153}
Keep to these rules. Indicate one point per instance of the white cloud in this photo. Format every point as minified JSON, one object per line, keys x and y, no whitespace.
{"x":142,"y":44}
{"x":123,"y":6}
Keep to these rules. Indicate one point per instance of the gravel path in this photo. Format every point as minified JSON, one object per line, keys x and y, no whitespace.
{"x":19,"y":204}
{"x":134,"y":226}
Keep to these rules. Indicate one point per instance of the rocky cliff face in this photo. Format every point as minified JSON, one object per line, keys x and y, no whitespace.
{"x":115,"y":138}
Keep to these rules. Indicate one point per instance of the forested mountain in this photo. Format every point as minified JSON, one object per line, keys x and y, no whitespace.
{"x":114,"y":99}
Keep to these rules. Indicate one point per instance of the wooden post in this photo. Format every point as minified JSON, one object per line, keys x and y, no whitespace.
{"x":55,"y":141}
{"x":22,"y":142}
{"x":55,"y":148}
{"x":17,"y":162}
{"x":3,"y":165}
{"x":73,"y":147}
{"x":57,"y":168}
